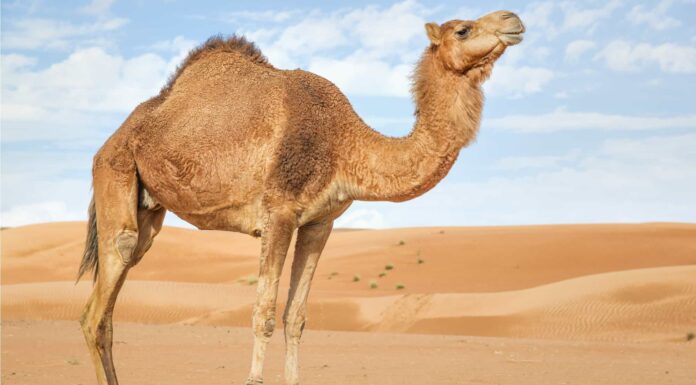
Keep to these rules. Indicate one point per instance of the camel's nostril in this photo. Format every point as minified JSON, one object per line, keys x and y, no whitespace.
{"x":507,"y":15}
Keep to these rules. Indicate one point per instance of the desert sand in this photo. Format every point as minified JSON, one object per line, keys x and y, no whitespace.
{"x":575,"y":304}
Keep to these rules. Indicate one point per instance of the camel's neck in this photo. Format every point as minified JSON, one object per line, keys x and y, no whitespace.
{"x":448,"y":111}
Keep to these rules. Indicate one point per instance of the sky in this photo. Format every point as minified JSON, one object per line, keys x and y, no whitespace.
{"x":591,"y":119}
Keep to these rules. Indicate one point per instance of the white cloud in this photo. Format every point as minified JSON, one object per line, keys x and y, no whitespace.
{"x":405,"y":24}
{"x":656,"y":17}
{"x":465,"y":13}
{"x":38,"y":212}
{"x":548,"y":19}
{"x":662,"y":152}
{"x":538,"y":17}
{"x":620,"y":55}
{"x":89,"y":79}
{"x":531,"y":51}
{"x":359,"y":75}
{"x":21,"y":122}
{"x":36,"y":33}
{"x":355,"y":48}
{"x":45,"y":183}
{"x":68,"y":98}
{"x":576,"y":17}
{"x":288,"y":47}
{"x":260,"y":16}
{"x":12,"y":62}
{"x":534,"y":162}
{"x":98,"y":7}
{"x":575,"y":49}
{"x":563,"y":120}
{"x":517,"y":81}
{"x":179,"y":44}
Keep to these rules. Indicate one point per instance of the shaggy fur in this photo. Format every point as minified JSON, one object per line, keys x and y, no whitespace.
{"x":232,"y":143}
{"x":216,"y":44}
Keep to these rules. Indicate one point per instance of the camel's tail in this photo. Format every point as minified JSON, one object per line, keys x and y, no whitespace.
{"x":90,"y":257}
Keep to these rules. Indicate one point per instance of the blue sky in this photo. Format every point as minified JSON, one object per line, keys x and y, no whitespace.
{"x":590,"y":119}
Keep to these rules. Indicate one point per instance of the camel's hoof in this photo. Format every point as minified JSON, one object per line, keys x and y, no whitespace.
{"x":253,"y":382}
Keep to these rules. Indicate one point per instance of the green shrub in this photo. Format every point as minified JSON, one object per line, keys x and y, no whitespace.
{"x":73,"y":361}
{"x":249,"y":279}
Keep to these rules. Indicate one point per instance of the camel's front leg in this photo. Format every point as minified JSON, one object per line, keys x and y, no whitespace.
{"x":310,"y":242}
{"x":274,"y":246}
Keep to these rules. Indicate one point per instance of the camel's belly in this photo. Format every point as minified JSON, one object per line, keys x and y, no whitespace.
{"x":211,"y":189}
{"x":246,"y":219}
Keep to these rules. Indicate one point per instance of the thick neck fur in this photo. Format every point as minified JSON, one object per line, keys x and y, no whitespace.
{"x":448,"y":112}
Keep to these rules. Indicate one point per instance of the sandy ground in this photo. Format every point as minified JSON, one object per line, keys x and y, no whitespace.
{"x":51,"y":352}
{"x":571,"y":304}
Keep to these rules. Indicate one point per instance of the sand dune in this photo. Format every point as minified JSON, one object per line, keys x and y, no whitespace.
{"x":636,"y":305}
{"x":591,"y":282}
{"x":455,"y":259}
{"x":580,"y":304}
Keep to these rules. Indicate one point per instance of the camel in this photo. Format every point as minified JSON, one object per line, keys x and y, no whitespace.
{"x":232,"y":143}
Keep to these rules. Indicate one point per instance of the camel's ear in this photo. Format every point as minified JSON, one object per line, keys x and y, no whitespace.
{"x":434,"y":33}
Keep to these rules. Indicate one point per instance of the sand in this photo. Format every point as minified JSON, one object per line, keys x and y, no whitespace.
{"x":52,"y":352}
{"x":576,"y":304}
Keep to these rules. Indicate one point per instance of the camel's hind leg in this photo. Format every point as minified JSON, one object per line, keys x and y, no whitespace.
{"x":125,"y":232}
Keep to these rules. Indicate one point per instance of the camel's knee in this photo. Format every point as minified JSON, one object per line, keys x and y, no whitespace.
{"x":294,"y":326}
{"x":264,"y":323}
{"x":94,"y":327}
{"x":264,"y":328}
{"x":126,"y":242}
{"x":98,"y":335}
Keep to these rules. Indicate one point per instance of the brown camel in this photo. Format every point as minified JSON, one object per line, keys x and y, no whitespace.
{"x":232,"y":143}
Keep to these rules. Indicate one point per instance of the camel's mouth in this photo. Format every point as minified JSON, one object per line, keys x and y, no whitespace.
{"x":512,"y":34}
{"x":511,"y":38}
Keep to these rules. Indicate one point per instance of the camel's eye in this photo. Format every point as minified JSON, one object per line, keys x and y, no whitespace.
{"x":463,"y":33}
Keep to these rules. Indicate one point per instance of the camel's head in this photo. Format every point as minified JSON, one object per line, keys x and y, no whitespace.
{"x":463,"y":44}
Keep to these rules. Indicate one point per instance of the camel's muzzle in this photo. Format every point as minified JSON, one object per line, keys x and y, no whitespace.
{"x":512,"y":29}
